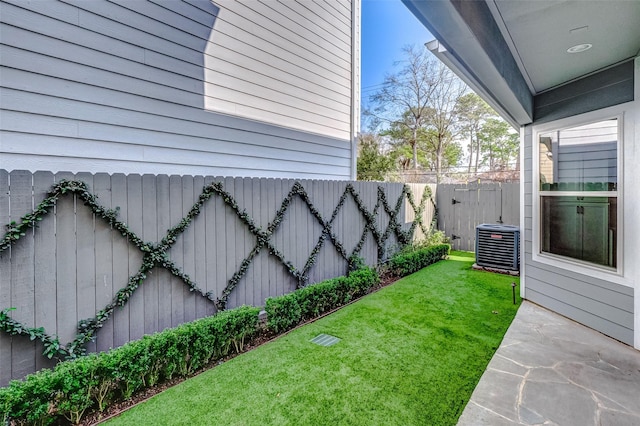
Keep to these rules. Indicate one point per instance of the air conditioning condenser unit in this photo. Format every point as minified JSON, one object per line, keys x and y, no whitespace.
{"x":497,"y":246}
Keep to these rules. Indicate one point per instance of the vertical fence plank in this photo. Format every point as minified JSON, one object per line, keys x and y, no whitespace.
{"x":265,"y":216}
{"x":277,"y":239}
{"x":236,"y":232}
{"x":121,"y":267}
{"x":85,"y":255}
{"x":254,"y":289}
{"x":104,"y":260}
{"x":150,"y":234}
{"x":372,"y":255}
{"x":168,"y":286}
{"x":135,"y":220}
{"x":44,"y":266}
{"x":22,"y":274}
{"x":301,"y":240}
{"x":317,"y":229}
{"x":230,"y":234}
{"x":212,"y":252}
{"x":5,"y":281}
{"x":66,"y":295}
{"x":270,"y":197}
{"x":171,"y":296}
{"x":200,"y":248}
{"x":218,"y":246}
{"x":187,"y":299}
{"x":212,"y":249}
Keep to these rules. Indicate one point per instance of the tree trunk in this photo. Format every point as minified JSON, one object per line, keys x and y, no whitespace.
{"x":439,"y":152}
{"x":415,"y":148}
{"x":477,"y":152}
{"x":470,"y":153}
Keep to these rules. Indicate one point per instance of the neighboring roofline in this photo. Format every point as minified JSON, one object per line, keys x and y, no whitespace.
{"x":470,"y":43}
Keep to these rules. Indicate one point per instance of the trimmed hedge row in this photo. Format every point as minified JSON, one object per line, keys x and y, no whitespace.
{"x":287,"y":311}
{"x":92,"y":382}
{"x":407,"y":263}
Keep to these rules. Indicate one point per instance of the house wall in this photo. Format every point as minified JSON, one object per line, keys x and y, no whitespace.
{"x":235,"y":88}
{"x":73,"y":264}
{"x":607,"y":302}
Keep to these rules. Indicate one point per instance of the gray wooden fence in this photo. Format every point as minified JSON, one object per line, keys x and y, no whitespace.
{"x":463,"y":206}
{"x":74,"y":262}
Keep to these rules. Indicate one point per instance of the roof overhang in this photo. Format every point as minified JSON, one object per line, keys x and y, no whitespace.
{"x":469,"y":41}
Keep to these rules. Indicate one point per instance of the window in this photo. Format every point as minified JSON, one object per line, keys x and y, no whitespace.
{"x":578,"y":171}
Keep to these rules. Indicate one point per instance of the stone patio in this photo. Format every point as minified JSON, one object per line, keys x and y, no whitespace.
{"x":550,"y":370}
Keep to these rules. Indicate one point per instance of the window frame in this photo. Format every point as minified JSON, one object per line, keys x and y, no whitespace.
{"x":568,"y":263}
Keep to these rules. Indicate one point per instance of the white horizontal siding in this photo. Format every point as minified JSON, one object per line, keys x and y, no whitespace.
{"x":135,"y":82}
{"x":297,"y":44}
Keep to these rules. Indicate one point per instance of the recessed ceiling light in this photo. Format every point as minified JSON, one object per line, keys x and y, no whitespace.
{"x":579,"y":48}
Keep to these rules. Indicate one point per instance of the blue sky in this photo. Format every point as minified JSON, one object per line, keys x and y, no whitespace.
{"x":387,"y":26}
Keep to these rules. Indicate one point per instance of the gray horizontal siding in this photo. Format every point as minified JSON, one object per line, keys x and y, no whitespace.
{"x":183,"y":86}
{"x":599,"y":304}
{"x":609,"y":87}
{"x":590,"y":162}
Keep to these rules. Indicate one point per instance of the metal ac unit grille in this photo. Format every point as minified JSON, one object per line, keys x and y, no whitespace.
{"x":497,"y":246}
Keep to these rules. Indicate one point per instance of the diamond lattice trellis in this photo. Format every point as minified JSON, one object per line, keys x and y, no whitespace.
{"x":156,"y":255}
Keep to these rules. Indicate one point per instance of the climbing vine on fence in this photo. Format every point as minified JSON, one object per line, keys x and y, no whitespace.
{"x":156,"y":254}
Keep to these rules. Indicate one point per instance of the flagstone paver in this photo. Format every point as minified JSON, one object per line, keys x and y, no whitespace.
{"x":550,"y":370}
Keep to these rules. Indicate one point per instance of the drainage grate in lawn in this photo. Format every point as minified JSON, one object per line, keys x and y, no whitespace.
{"x":325,"y":340}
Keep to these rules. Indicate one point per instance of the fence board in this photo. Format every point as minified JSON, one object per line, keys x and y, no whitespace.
{"x":22,"y":274}
{"x":121,"y":266}
{"x":85,"y":255}
{"x":150,"y":235}
{"x":44,"y":266}
{"x":169,"y":212}
{"x":66,"y":295}
{"x":200,"y":255}
{"x":104,"y":260}
{"x":5,"y":281}
{"x":188,"y":299}
{"x":265,"y":216}
{"x":134,"y":220}
{"x":255,"y":295}
{"x":212,"y":251}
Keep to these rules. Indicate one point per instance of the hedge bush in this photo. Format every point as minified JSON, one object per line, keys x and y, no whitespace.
{"x":405,"y":263}
{"x":287,"y":311}
{"x":92,"y":382}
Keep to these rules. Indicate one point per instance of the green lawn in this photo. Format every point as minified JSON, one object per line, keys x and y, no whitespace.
{"x":410,"y":354}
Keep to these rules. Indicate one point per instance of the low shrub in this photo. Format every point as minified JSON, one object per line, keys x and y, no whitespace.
{"x":408,"y":262}
{"x":92,"y":382}
{"x":287,"y":311}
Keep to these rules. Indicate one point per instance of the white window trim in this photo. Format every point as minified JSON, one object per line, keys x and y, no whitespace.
{"x":574,"y":265}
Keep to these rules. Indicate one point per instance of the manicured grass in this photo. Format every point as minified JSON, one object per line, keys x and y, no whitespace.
{"x":410,"y":354}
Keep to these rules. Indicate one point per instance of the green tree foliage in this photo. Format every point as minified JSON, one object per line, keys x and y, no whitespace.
{"x":405,"y":97}
{"x":426,"y":112}
{"x":373,"y":163}
{"x":500,"y":143}
{"x":472,"y":112}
